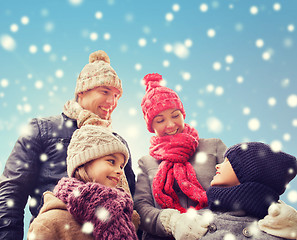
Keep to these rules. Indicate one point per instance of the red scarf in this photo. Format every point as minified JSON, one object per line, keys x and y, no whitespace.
{"x":175,"y":151}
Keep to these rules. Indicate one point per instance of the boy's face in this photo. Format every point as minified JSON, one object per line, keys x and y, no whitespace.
{"x":225,"y":175}
{"x":106,"y":170}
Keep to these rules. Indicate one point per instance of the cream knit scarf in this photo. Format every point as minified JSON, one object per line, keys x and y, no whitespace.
{"x":73,"y":110}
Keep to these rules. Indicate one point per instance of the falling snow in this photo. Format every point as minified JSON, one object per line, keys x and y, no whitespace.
{"x":87,"y":228}
{"x":102,"y":214}
{"x":236,"y":77}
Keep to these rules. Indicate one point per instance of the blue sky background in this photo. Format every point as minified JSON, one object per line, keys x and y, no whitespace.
{"x":232,"y":62}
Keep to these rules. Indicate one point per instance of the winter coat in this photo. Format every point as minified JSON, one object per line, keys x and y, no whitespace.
{"x":54,"y":222}
{"x":208,"y":153}
{"x":235,"y":224}
{"x":35,"y":165}
{"x":108,"y":210}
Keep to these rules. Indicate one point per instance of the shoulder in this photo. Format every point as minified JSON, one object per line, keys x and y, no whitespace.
{"x":148,"y":162}
{"x":210,"y":141}
{"x":210,"y":144}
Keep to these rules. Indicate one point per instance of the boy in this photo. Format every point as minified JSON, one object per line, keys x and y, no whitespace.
{"x":251,"y":178}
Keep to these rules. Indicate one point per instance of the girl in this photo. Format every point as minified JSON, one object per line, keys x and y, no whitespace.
{"x":179,"y":169}
{"x":87,"y":205}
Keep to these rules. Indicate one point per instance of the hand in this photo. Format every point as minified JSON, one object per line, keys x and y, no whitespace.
{"x":281,"y":221}
{"x":185,"y":226}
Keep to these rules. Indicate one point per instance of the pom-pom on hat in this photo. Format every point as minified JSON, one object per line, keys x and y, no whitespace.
{"x":91,"y":142}
{"x":257,"y":162}
{"x":157,"y":99}
{"x":97,"y":72}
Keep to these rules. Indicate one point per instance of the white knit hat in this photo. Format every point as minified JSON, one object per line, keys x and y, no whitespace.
{"x":97,"y":72}
{"x":91,"y":142}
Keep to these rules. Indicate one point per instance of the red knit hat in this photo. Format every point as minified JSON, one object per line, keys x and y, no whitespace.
{"x":157,"y":99}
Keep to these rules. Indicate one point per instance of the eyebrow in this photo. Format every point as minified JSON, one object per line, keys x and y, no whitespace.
{"x":105,"y":87}
{"x":161,"y":115}
{"x":111,"y":155}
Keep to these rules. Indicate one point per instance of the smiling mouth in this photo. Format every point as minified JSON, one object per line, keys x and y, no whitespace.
{"x":114,"y":179}
{"x":104,"y":109}
{"x":173,"y":132}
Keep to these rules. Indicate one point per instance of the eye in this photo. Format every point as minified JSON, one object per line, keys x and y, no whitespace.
{"x":175,"y":116}
{"x":111,"y":161}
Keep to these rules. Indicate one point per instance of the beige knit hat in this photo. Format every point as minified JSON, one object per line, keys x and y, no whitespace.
{"x":91,"y":142}
{"x":97,"y":72}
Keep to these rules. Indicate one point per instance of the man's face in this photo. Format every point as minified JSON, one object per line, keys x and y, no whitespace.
{"x":100,"y":100}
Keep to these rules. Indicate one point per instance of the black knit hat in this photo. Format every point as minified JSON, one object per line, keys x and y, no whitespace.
{"x":257,"y":162}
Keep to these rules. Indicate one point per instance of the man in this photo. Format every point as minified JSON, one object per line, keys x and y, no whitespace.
{"x":38,"y":160}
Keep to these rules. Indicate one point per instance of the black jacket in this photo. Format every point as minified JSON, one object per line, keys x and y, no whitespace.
{"x":35,"y":165}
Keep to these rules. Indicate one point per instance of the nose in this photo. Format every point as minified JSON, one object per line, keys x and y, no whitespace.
{"x":119,"y":171}
{"x":170,"y":124}
{"x":217,"y":166}
{"x":111,"y":99}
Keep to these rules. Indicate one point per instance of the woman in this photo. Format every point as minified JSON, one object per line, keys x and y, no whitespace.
{"x":179,"y":169}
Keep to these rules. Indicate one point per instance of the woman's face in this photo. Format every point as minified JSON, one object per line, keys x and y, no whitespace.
{"x":168,"y":122}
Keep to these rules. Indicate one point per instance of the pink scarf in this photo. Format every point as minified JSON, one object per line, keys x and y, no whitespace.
{"x":175,"y":151}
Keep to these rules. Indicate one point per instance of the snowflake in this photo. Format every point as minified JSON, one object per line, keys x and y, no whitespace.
{"x":169,"y":17}
{"x":10,"y":203}
{"x":76,"y":193}
{"x":229,"y":236}
{"x":43,"y":157}
{"x":59,"y":146}
{"x":292,"y":100}
{"x":276,"y":146}
{"x":31,"y":236}
{"x":87,"y":228}
{"x":214,"y":125}
{"x":254,"y":124}
{"x":102,"y":214}
{"x":208,"y":216}
{"x":67,"y":226}
{"x":180,"y":50}
{"x":33,"y":202}
{"x":201,"y":157}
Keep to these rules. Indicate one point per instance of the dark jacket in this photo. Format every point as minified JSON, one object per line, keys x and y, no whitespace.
{"x":35,"y":165}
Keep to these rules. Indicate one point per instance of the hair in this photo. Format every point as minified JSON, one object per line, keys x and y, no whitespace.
{"x":82,"y":175}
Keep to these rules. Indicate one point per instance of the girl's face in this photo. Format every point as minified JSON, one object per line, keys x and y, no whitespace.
{"x":225,"y":175}
{"x":106,"y":170}
{"x":168,"y":122}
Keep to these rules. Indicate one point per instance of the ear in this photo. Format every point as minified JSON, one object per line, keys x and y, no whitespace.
{"x":79,"y":97}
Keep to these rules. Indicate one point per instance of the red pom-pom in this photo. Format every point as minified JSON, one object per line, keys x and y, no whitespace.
{"x":152,"y":79}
